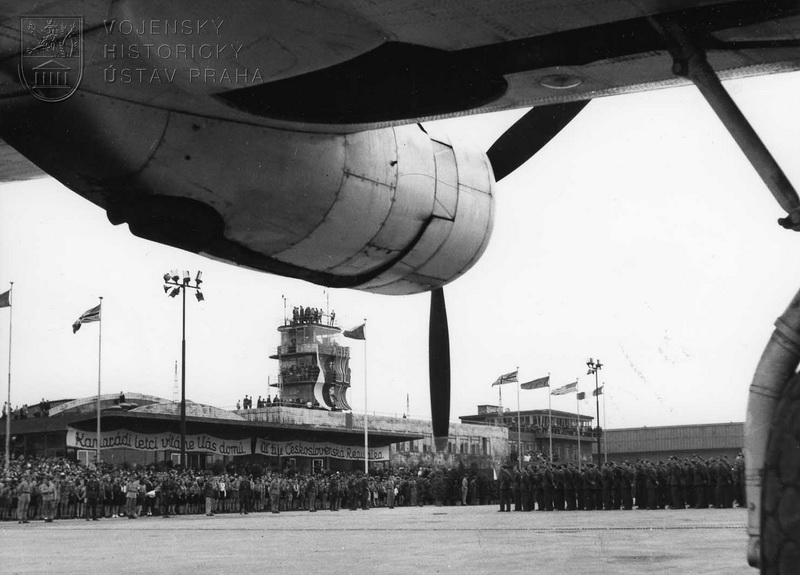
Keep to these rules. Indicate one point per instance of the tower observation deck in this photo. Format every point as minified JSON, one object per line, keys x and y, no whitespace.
{"x":313,"y":366}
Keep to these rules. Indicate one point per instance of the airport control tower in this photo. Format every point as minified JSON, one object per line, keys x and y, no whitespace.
{"x":313,"y":367}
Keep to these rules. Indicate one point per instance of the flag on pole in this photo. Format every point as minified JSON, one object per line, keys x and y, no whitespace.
{"x":87,"y":316}
{"x":565,"y":389}
{"x":581,"y":395}
{"x":506,"y":378}
{"x":536,"y":383}
{"x":358,"y":332}
{"x":598,"y":391}
{"x":5,"y":299}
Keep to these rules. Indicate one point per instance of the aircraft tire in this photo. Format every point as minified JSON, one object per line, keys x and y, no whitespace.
{"x":780,"y":495}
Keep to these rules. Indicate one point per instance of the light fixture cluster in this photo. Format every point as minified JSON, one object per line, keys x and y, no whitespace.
{"x":594,"y":366}
{"x":173,"y":283}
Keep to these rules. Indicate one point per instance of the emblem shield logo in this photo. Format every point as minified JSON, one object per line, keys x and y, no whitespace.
{"x":51,"y":56}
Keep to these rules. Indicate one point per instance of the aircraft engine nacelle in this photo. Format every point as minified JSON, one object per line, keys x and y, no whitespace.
{"x":395,"y":210}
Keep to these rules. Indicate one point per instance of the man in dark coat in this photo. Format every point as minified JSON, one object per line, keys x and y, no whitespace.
{"x":558,"y":487}
{"x":674,"y":481}
{"x":587,"y":475}
{"x":527,"y":490}
{"x":94,"y":495}
{"x":626,"y":480}
{"x":516,"y":489}
{"x":738,"y":481}
{"x":167,"y":493}
{"x":607,"y":482}
{"x":333,"y":489}
{"x":311,"y":492}
{"x":548,"y":486}
{"x":353,"y":497}
{"x":363,"y":492}
{"x":700,"y":483}
{"x":245,"y":494}
{"x":505,"y":480}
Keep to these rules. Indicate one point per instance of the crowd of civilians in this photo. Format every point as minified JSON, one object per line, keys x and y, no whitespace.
{"x":57,"y":488}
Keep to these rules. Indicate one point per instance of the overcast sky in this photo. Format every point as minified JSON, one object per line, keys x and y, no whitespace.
{"x":640,"y":235}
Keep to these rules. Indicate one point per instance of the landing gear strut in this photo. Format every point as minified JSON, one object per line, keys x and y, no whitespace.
{"x":772,"y":429}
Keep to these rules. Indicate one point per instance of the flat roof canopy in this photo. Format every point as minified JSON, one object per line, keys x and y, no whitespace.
{"x":227,"y":429}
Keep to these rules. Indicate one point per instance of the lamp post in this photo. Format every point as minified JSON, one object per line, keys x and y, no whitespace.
{"x":594,"y":367}
{"x":173,"y":285}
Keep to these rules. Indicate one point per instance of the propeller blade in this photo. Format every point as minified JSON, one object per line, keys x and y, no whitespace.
{"x":439,"y":369}
{"x":529,"y":134}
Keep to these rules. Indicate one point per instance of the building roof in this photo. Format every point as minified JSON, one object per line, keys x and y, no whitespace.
{"x":675,"y":438}
{"x":198,"y":410}
{"x":107,"y":400}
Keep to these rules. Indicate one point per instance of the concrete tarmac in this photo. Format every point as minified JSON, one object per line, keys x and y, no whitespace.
{"x":402,"y":540}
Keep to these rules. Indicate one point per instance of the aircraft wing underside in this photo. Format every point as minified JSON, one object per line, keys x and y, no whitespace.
{"x":281,"y":135}
{"x":350,"y":65}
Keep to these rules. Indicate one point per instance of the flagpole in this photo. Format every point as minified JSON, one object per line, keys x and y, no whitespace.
{"x":605,"y":443}
{"x":366,"y":416}
{"x":99,"y":363}
{"x":519,"y":428}
{"x":550,"y":419}
{"x":578,"y":402}
{"x":8,"y":407}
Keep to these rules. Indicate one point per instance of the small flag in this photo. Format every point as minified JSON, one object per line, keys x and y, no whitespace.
{"x":598,"y":391}
{"x":581,"y":395}
{"x":506,"y":378}
{"x":89,"y":315}
{"x":569,"y":388}
{"x":358,"y":332}
{"x":5,"y":299}
{"x":536,"y":383}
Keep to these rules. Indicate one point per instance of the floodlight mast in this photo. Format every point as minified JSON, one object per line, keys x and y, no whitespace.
{"x":594,"y":367}
{"x":180,"y":286}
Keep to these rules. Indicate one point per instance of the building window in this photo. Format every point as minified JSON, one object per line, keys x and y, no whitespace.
{"x":486,"y":446}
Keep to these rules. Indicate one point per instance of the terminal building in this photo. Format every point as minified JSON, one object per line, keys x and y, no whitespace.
{"x":142,"y":429}
{"x":629,"y":444}
{"x":145,"y":430}
{"x":572,"y":437}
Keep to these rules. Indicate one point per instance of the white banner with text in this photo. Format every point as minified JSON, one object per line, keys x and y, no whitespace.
{"x":126,"y":439}
{"x":318,"y":449}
